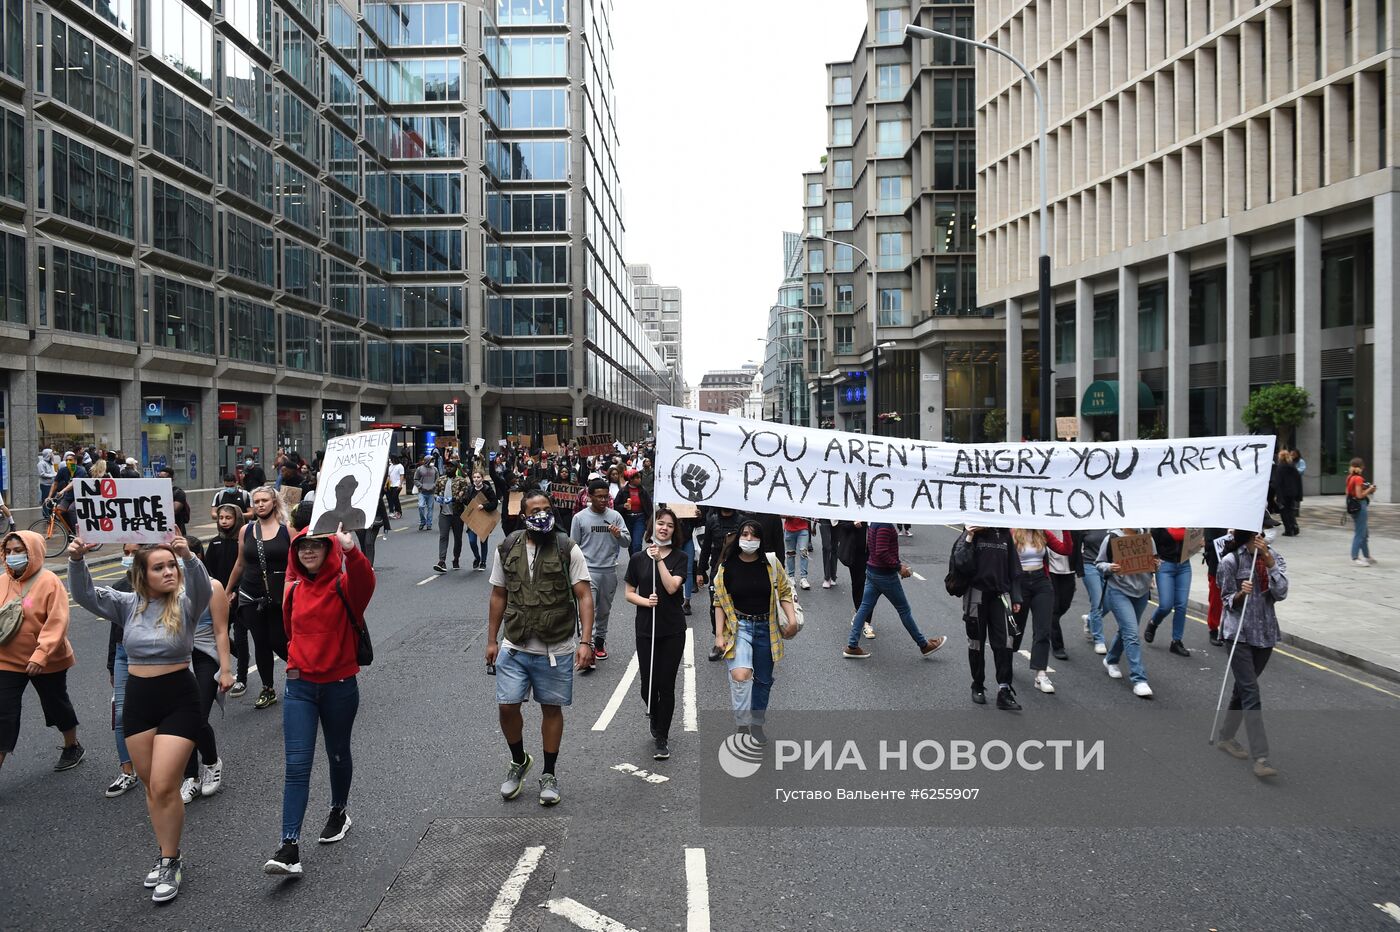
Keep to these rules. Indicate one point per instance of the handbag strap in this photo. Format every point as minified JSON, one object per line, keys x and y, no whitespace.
{"x":262,"y":556}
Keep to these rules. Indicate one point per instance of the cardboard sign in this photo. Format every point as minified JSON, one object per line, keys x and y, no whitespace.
{"x":481,"y":523}
{"x":1067,"y":428}
{"x":551,"y":443}
{"x":595,"y":444}
{"x":1194,"y":543}
{"x":348,"y":488}
{"x":290,"y":496}
{"x":124,"y":511}
{"x":684,"y":510}
{"x":515,"y":502}
{"x":1133,"y":554}
{"x":525,"y":441}
{"x":564,"y":496}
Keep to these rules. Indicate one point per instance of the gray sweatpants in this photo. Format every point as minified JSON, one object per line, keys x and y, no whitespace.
{"x":604,"y":583}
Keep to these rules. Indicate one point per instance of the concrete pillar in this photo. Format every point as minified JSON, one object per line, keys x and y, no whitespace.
{"x":267,"y":443}
{"x":1015,"y":372}
{"x":22,"y":436}
{"x":1178,"y":344}
{"x":931,"y":393}
{"x":207,"y":474}
{"x":1128,"y":376}
{"x":1385,"y":418}
{"x":129,"y":419}
{"x":1307,"y":337}
{"x":1083,"y":351}
{"x":1236,"y":332}
{"x":318,"y":426}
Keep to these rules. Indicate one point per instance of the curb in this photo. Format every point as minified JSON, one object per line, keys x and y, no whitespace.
{"x":1322,"y":650}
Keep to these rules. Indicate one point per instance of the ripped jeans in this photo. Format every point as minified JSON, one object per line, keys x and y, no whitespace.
{"x":752,"y":651}
{"x":305,"y":704}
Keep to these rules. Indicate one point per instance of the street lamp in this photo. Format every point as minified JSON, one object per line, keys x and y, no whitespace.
{"x":1047,"y":424}
{"x":872,"y":395}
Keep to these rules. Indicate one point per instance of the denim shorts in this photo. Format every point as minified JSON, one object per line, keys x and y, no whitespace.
{"x":520,"y":674}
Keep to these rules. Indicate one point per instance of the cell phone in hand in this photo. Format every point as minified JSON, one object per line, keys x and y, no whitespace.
{"x":490,"y":669}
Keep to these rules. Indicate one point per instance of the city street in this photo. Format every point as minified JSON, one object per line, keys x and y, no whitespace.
{"x":630,"y":847}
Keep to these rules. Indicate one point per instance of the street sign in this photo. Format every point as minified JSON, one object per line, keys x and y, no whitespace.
{"x":449,"y":423}
{"x":580,"y":422}
{"x":449,"y":408}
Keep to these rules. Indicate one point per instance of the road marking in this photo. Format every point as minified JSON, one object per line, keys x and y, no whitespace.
{"x":506,"y":900}
{"x":618,"y":695}
{"x":638,"y":772}
{"x":690,"y":719}
{"x":429,"y":579}
{"x":1390,"y":909}
{"x":919,"y":576}
{"x":400,"y":530}
{"x":1027,"y":655}
{"x":583,"y":917}
{"x":697,"y":892}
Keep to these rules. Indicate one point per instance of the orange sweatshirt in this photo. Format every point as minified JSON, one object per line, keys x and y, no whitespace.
{"x":43,"y":635}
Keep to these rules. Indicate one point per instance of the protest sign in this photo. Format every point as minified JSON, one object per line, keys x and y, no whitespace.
{"x":550,"y":443}
{"x":564,"y":496}
{"x":514,"y":503}
{"x":1194,"y":543}
{"x":524,"y":440}
{"x":478,"y":444}
{"x":595,"y":444}
{"x":1133,"y":553}
{"x":348,"y":487}
{"x":481,"y":523}
{"x":290,"y":496}
{"x":716,"y":460}
{"x":124,"y":511}
{"x":684,"y":510}
{"x":1067,"y":428}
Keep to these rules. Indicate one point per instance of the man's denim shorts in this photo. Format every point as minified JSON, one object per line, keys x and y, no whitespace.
{"x":520,"y":675}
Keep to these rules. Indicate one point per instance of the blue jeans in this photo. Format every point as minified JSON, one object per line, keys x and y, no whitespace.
{"x":480,"y":550}
{"x":119,"y":678}
{"x":752,"y":651}
{"x":1173,"y":591}
{"x":1093,"y":587}
{"x":1360,"y":537}
{"x":637,"y":527}
{"x":884,"y":583}
{"x":303,"y":705}
{"x":689,"y":551}
{"x":1127,"y":611}
{"x":426,"y":501}
{"x":798,"y":545}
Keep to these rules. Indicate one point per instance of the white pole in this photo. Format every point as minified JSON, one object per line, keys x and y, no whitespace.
{"x":656,"y":591}
{"x":1233,"y":644}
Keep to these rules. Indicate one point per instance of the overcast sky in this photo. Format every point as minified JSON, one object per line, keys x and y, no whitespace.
{"x":721,"y":108}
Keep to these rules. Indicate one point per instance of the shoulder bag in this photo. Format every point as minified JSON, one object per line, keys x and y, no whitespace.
{"x":12,"y":612}
{"x":796,"y":605}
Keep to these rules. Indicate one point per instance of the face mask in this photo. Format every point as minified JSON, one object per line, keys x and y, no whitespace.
{"x":247,"y":462}
{"x":128,"y":561}
{"x":541,"y":522}
{"x":749,"y":545}
{"x":17,"y":561}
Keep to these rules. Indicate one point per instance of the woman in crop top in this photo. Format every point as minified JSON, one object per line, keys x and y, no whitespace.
{"x":1033,"y":548}
{"x":255,"y":588}
{"x":161,"y":718}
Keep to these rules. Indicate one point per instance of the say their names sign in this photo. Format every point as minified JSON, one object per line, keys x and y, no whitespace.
{"x":716,"y":460}
{"x":352,"y":475}
{"x":124,"y":511}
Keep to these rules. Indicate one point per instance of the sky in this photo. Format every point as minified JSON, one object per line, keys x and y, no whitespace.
{"x":721,"y":107}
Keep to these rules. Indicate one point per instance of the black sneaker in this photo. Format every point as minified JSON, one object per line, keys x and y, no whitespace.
{"x":663,"y":751}
{"x":1060,"y":653}
{"x":286,"y":862}
{"x":439,"y":567}
{"x":1006,"y":700}
{"x":756,"y":731}
{"x":456,"y":564}
{"x":979,"y":695}
{"x":337,"y":825}
{"x":239,"y":688}
{"x":70,"y":758}
{"x":1216,"y":640}
{"x":1179,"y":649}
{"x":1149,"y":633}
{"x":266,"y":698}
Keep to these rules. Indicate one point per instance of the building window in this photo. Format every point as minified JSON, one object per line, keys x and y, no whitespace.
{"x":251,"y":331}
{"x":1346,"y":283}
{"x":1207,"y":309}
{"x":954,"y":225}
{"x":841,"y":131}
{"x":1271,"y":296}
{"x":249,"y":249}
{"x":894,"y":251}
{"x":88,"y":76}
{"x":1152,"y":318}
{"x":892,"y":195}
{"x":889,"y":27}
{"x":1065,"y":323}
{"x":180,"y":130}
{"x":526,"y":212}
{"x":527,"y":368}
{"x":814,"y":226}
{"x":816,"y":260}
{"x":527,"y":265}
{"x":842,"y":216}
{"x":245,"y":87}
{"x":891,"y":82}
{"x":345,"y":353}
{"x":247,"y":169}
{"x":426,"y":306}
{"x":814,"y":194}
{"x":12,"y":155}
{"x":302,"y":273}
{"x":840,"y":91}
{"x":415,"y":24}
{"x":181,"y":223}
{"x":528,"y":108}
{"x":180,"y":315}
{"x":183,"y":38}
{"x":1106,"y":326}
{"x":13,"y":280}
{"x":93,"y":296}
{"x":841,"y":173}
{"x":527,"y":161}
{"x":379,"y":365}
{"x":532,"y":12}
{"x":843,"y":258}
{"x":893,"y":137}
{"x":845,"y":298}
{"x":415,"y":80}
{"x":527,"y":56}
{"x":816,"y":294}
{"x":845,"y":335}
{"x":92,"y":187}
{"x":892,"y":308}
{"x":527,"y":317}
{"x":955,"y":163}
{"x":302,"y":343}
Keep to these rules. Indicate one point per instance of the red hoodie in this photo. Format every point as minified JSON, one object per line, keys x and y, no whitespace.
{"x":320,"y":639}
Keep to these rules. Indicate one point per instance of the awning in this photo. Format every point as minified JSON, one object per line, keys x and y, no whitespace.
{"x":1101,"y":398}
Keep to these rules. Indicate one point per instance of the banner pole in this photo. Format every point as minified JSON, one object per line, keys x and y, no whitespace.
{"x":1233,"y":644}
{"x":651,"y":665}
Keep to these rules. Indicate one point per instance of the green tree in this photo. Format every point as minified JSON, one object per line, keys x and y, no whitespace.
{"x":1278,"y":409}
{"x":994,"y":425}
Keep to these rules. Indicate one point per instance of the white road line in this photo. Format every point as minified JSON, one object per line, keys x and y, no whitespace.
{"x":1390,"y":909}
{"x":690,"y":718}
{"x":583,"y":917}
{"x":697,"y":892}
{"x":919,"y":576}
{"x":619,"y":694}
{"x":643,"y":774}
{"x":1027,"y":655}
{"x":498,"y":920}
{"x":429,"y":579}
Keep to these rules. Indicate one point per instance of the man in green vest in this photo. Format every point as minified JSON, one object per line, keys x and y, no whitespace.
{"x":540,"y":590}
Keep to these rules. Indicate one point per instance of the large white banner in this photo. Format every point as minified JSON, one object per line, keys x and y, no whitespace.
{"x":712,"y":459}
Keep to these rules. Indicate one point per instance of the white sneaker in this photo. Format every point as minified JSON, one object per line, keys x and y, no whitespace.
{"x":189,"y":790}
{"x":211,"y":778}
{"x":868,"y":631}
{"x":826,"y":584}
{"x":1042,"y":683}
{"x":1088,"y":635}
{"x":1360,"y":562}
{"x":124,"y":781}
{"x":1371,"y":560}
{"x":1142,"y":690}
{"x":1100,"y":648}
{"x":1112,"y":668}
{"x":805,"y":584}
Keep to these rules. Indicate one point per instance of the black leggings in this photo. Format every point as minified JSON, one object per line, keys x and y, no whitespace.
{"x":53,"y":699}
{"x":269,"y":637}
{"x":669,"y":651}
{"x":1037,"y":601}
{"x":206,"y":671}
{"x":858,"y":584}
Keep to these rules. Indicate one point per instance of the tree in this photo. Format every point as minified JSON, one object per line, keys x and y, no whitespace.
{"x":994,"y":425}
{"x":1278,"y":408}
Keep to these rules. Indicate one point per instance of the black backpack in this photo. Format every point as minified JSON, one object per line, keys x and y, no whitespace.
{"x":960,"y":570}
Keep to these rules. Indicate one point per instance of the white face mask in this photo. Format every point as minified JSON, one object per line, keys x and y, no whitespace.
{"x":749,"y":545}
{"x":127,"y":561}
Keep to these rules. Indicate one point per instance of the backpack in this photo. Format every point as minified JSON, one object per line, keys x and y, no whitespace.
{"x":1353,"y":505}
{"x":960,"y":569}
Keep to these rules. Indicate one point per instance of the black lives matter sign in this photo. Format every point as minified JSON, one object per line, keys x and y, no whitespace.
{"x":124,"y":511}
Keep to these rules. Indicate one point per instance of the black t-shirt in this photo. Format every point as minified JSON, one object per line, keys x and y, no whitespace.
{"x":670,"y":619}
{"x":748,"y":585}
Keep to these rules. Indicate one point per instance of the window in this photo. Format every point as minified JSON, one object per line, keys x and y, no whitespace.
{"x":843,"y":259}
{"x":841,"y":173}
{"x":526,"y":212}
{"x":251,"y":332}
{"x":1207,"y":307}
{"x":527,"y":265}
{"x":247,"y":169}
{"x":12,"y":155}
{"x":427,"y":363}
{"x":299,"y":126}
{"x":426,"y":250}
{"x":892,"y":308}
{"x":954,"y":225}
{"x":893,"y":251}
{"x":180,"y":129}
{"x":302,"y":343}
{"x":528,"y":108}
{"x":93,"y":296}
{"x":527,"y":161}
{"x":253,"y":19}
{"x":345,"y":352}
{"x":1106,"y":326}
{"x":1271,"y":296}
{"x":845,"y":298}
{"x":955,"y":163}
{"x":378,"y":361}
{"x":892,"y":195}
{"x":415,"y":24}
{"x":842,"y":217}
{"x":845,"y":338}
{"x":423,"y":306}
{"x":816,"y":260}
{"x":840,"y":90}
{"x":415,"y":80}
{"x":91,"y":187}
{"x":249,"y":249}
{"x":415,"y":194}
{"x":1347,"y":283}
{"x":297,"y":55}
{"x":344,"y":289}
{"x":245,"y":87}
{"x":180,"y":315}
{"x":302,"y":273}
{"x":893,"y":136}
{"x":1065,"y":323}
{"x":814,"y":226}
{"x":816,"y":294}
{"x":889,"y":27}
{"x":299,"y":198}
{"x":814,"y":194}
{"x":14,"y":268}
{"x":532,"y":12}
{"x":89,"y":77}
{"x":527,"y":317}
{"x":527,"y":56}
{"x":891,"y":82}
{"x":955,"y":286}
{"x":841,"y":131}
{"x":183,"y":38}
{"x":12,"y":33}
{"x":524,"y":368}
{"x":1152,"y":318}
{"x":415,"y":137}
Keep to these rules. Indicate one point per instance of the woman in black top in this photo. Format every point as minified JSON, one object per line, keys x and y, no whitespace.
{"x":660,"y":623}
{"x":987,"y":558}
{"x":255,"y":586}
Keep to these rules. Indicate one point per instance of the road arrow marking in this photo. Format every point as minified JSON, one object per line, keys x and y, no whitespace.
{"x":506,"y":900}
{"x":583,"y":917}
{"x":619,"y":694}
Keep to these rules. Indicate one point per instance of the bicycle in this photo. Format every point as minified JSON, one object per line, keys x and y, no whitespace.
{"x":55,"y":531}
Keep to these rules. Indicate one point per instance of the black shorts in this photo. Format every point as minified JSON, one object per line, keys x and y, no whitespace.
{"x":168,"y":703}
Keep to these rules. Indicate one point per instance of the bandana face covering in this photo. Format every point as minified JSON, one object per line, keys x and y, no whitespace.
{"x":541,"y":522}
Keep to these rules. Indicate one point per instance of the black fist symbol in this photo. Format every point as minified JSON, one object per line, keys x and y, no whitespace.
{"x":694,"y":478}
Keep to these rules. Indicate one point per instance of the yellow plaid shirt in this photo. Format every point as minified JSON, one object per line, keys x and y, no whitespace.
{"x":780,"y":590}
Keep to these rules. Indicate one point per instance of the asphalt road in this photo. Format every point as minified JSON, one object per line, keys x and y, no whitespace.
{"x":428,"y":752}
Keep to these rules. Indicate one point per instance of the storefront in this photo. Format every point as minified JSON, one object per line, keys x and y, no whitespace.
{"x":67,"y":422}
{"x":240,"y":434}
{"x":335,"y":422}
{"x":170,"y":437}
{"x":294,"y":431}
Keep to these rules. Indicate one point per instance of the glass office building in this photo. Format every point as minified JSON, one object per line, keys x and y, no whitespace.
{"x":262,"y":224}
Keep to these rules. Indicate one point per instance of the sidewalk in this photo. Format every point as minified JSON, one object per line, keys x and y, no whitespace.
{"x":111,"y":553}
{"x":1344,"y":612}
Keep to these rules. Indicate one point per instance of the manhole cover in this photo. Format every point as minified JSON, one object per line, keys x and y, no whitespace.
{"x":456,"y":873}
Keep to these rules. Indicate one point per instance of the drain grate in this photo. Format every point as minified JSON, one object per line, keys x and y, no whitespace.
{"x":453,"y":877}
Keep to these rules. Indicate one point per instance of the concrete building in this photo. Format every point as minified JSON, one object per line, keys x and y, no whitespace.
{"x":225,"y":234}
{"x":898,"y":182}
{"x":784,"y":386}
{"x":658,"y":307}
{"x":722,"y":390}
{"x":1225,"y":215}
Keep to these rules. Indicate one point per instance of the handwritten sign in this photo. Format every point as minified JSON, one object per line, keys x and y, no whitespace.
{"x":716,"y":460}
{"x":551,"y":443}
{"x":1067,"y":428}
{"x":595,"y":444}
{"x":481,"y":523}
{"x":564,"y":496}
{"x":478,"y":444}
{"x":124,"y":511}
{"x":514,"y":503}
{"x":1194,"y":543}
{"x":1133,"y":553}
{"x":348,"y":488}
{"x":525,"y":441}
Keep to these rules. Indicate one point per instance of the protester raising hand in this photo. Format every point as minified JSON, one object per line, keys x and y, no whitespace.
{"x":80,"y":548}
